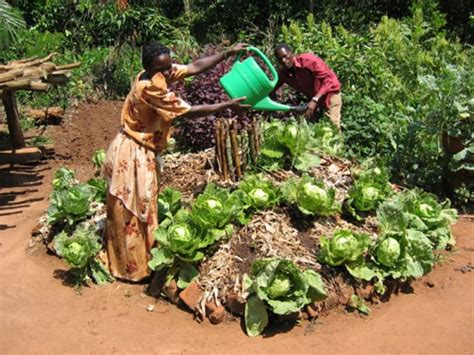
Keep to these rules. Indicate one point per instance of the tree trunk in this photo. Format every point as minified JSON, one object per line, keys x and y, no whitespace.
{"x":11,"y":110}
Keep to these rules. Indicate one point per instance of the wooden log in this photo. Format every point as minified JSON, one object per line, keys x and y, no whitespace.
{"x":10,"y":75}
{"x":21,"y":156}
{"x":24,"y":84}
{"x":32,"y":63}
{"x":235,"y":149}
{"x":11,"y":111}
{"x":69,"y":66}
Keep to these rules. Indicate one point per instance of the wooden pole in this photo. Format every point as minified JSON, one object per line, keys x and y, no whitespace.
{"x":228,"y":151}
{"x":218,"y":146}
{"x":11,"y":110}
{"x":223,"y":150}
{"x":235,"y":149}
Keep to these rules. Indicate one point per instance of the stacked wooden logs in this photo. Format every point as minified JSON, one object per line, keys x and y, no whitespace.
{"x":34,"y":74}
{"x":236,"y":152}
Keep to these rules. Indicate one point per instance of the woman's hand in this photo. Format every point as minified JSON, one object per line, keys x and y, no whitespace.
{"x":236,"y":49}
{"x":236,"y":104}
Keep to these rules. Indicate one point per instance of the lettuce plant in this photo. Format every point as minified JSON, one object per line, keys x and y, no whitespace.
{"x":279,"y":286}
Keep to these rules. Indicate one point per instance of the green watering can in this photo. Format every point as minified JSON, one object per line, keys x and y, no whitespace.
{"x":247,"y":78}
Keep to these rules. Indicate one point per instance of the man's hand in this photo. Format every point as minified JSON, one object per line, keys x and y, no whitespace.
{"x":237,"y":48}
{"x":310,"y":110}
{"x":236,"y":105}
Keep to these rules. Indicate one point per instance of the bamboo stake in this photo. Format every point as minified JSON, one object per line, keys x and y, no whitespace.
{"x":235,"y":149}
{"x":223,"y":150}
{"x":250,"y":133}
{"x":256,"y":128}
{"x":230,"y":160}
{"x":244,"y":150}
{"x":218,"y":146}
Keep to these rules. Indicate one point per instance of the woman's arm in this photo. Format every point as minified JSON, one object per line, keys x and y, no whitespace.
{"x":203,"y":64}
{"x":205,"y":110}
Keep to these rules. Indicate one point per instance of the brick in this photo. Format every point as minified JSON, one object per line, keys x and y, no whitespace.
{"x":191,"y":295}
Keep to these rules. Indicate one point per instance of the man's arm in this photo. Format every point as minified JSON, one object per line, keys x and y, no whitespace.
{"x":201,"y":65}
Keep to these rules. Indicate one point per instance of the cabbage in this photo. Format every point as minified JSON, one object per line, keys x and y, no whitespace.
{"x":280,"y":286}
{"x":98,"y":158}
{"x":313,"y":197}
{"x":388,"y":252}
{"x":259,"y":192}
{"x":345,"y":246}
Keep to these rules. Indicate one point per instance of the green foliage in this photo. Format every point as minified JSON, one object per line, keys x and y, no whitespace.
{"x":291,"y":144}
{"x":280,"y":286}
{"x":11,"y":22}
{"x":384,"y":99}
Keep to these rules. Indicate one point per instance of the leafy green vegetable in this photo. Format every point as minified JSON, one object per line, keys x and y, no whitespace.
{"x":71,"y":205}
{"x":359,"y":304}
{"x":216,"y":207}
{"x":425,"y":213}
{"x":169,"y":203}
{"x":311,"y":196}
{"x":344,"y":246}
{"x":64,"y":178}
{"x":256,"y":316}
{"x":259,"y":193}
{"x":100,"y":187}
{"x":370,"y":188}
{"x":98,"y":158}
{"x":79,"y":250}
{"x":282,"y":287}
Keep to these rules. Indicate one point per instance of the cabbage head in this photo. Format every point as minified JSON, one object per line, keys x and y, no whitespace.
{"x":388,"y":252}
{"x":78,"y":248}
{"x":279,"y":286}
{"x":259,"y":192}
{"x":345,"y":246}
{"x":215,"y":207}
{"x":314,"y":198}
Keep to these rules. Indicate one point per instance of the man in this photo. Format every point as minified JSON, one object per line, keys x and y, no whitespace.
{"x":310,"y":75}
{"x":130,"y":167}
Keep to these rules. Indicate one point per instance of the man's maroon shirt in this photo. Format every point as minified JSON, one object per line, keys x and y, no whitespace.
{"x":310,"y":75}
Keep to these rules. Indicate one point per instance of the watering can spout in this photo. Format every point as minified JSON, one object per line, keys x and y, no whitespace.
{"x":267,"y":104}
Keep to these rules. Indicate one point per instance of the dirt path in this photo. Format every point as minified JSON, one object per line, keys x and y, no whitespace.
{"x":38,"y":314}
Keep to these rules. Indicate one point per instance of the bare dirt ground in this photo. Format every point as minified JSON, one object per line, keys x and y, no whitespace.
{"x":39,"y":314}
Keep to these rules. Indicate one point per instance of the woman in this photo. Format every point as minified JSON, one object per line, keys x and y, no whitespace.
{"x":131,"y":163}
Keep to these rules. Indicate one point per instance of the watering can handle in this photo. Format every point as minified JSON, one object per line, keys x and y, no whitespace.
{"x":265,"y":60}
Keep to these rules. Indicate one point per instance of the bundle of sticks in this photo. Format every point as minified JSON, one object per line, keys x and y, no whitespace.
{"x":236,"y":152}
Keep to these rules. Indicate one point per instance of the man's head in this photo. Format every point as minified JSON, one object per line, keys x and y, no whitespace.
{"x":156,"y":58}
{"x":284,"y":55}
